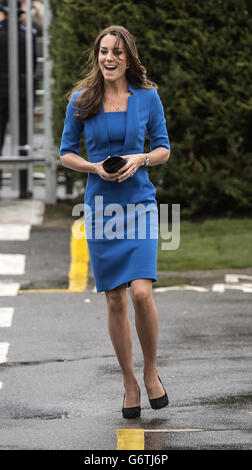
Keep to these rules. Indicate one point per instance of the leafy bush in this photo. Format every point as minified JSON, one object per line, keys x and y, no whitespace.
{"x":199,"y":53}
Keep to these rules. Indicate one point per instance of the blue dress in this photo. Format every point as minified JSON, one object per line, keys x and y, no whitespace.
{"x":121,"y":219}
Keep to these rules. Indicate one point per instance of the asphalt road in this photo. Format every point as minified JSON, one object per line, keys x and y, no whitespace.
{"x":60,"y":383}
{"x":62,"y":386}
{"x":47,"y":257}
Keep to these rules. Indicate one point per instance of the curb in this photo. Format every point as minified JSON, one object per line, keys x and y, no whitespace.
{"x":201,"y":277}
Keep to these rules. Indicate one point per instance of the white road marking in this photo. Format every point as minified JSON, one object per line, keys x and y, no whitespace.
{"x":22,"y":211}
{"x":229,"y":278}
{"x":4,"y":347}
{"x":232,"y":281}
{"x":184,"y":287}
{"x":6,"y":315}
{"x":173,"y":430}
{"x":12,"y":264}
{"x":9,"y":288}
{"x":245,"y":287}
{"x":15,"y":232}
{"x":218,"y":288}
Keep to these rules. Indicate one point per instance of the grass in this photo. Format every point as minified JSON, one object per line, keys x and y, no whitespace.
{"x":212,"y":244}
{"x":222,"y":243}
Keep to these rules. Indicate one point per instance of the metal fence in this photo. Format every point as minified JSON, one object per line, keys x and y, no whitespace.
{"x":15,"y":161}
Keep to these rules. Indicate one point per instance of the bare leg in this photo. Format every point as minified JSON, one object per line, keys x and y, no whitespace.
{"x":120,"y":333}
{"x":146,"y":319}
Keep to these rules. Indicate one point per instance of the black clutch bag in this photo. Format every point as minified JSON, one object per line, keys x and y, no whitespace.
{"x":113,"y":164}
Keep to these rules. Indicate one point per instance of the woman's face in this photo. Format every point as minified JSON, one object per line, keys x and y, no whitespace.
{"x":112,"y":60}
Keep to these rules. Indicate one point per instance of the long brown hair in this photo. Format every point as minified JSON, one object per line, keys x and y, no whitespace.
{"x":89,"y":102}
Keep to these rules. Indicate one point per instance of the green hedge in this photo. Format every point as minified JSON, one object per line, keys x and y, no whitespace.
{"x":199,"y":53}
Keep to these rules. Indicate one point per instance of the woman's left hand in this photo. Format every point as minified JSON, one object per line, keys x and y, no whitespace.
{"x":132,"y":165}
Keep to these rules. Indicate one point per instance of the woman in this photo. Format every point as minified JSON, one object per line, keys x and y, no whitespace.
{"x":114,"y":106}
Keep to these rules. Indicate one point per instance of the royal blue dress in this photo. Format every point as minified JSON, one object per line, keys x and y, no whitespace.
{"x":121,"y":219}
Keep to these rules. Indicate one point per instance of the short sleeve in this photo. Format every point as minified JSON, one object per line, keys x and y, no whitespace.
{"x":71,"y":136}
{"x":157,"y":124}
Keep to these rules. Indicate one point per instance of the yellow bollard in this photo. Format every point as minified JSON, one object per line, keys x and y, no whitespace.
{"x":78,"y":272}
{"x":130,"y":439}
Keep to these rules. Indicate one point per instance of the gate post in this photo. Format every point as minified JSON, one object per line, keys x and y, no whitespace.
{"x":13,"y":84}
{"x":49,"y":147}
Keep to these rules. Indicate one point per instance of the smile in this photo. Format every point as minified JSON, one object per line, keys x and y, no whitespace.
{"x":110,"y":67}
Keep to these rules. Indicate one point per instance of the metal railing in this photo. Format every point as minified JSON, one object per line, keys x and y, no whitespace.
{"x":15,"y":162}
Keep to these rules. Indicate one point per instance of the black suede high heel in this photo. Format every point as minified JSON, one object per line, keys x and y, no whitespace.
{"x":161,"y":402}
{"x":134,"y":411}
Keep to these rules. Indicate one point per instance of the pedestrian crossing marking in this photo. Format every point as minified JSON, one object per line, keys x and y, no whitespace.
{"x":78,"y":270}
{"x":6,"y":315}
{"x":4,"y":347}
{"x":9,"y":289}
{"x":17,"y":232}
{"x":12,"y":264}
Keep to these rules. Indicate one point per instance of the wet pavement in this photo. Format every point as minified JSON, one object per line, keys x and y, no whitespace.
{"x":60,"y":383}
{"x":47,"y":253}
{"x":62,"y":386}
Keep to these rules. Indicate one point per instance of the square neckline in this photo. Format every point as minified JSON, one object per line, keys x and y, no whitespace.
{"x":116,"y":112}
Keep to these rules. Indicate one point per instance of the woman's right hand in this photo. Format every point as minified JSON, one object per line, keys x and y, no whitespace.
{"x":99,"y":170}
